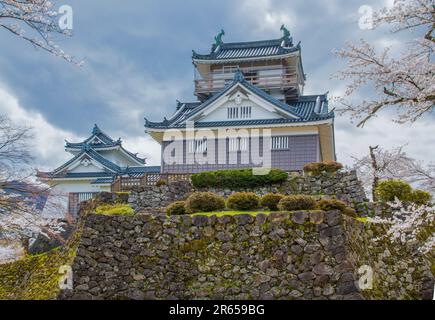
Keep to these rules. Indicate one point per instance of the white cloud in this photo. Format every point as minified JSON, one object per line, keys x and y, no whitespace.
{"x":264,"y":18}
{"x":146,"y":147}
{"x":48,"y":140}
{"x":355,"y":142}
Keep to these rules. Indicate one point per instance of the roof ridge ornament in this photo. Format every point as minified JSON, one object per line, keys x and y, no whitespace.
{"x":287,"y":40}
{"x":96,"y":130}
{"x":218,"y":40}
{"x":238,"y":76}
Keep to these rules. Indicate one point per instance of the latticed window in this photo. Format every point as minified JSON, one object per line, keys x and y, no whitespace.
{"x":233,"y":112}
{"x":239,"y":112}
{"x":245,"y":112}
{"x":195,"y":146}
{"x":280,"y":143}
{"x":238,"y":144}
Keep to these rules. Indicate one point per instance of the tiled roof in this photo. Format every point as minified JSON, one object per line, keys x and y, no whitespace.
{"x":75,"y":175}
{"x":303,"y":109}
{"x":103,"y":181}
{"x":244,"y":50}
{"x":241,"y":123}
{"x":105,"y":142}
{"x":90,"y":152}
{"x":136,"y":172}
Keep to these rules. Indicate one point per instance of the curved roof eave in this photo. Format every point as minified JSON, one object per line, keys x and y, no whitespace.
{"x":216,"y":61}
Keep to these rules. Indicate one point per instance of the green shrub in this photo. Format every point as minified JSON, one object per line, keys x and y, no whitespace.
{"x":419,"y":197}
{"x":297,"y":202}
{"x":349,"y":212}
{"x":176,"y":208}
{"x":388,"y":190}
{"x":237,"y":179}
{"x":161,"y":182}
{"x":243,"y":201}
{"x":317,"y":168}
{"x":331,"y":204}
{"x":271,"y":201}
{"x":204,"y":202}
{"x":114,"y":209}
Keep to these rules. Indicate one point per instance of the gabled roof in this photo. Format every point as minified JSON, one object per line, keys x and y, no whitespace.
{"x":97,"y":138}
{"x":101,"y":141}
{"x":87,"y":150}
{"x":276,"y":48}
{"x":302,"y":110}
{"x":111,"y":169}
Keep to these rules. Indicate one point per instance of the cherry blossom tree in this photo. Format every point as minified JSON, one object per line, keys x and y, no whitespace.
{"x":410,"y":224}
{"x":36,"y":22}
{"x":382,"y":164}
{"x":404,"y":82}
{"x":19,"y":193}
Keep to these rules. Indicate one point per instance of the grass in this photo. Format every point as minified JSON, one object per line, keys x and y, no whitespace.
{"x":229,"y":213}
{"x":35,"y":277}
{"x":114,"y":209}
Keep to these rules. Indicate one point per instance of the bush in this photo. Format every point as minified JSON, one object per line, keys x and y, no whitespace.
{"x":243,"y":201}
{"x":297,"y":202}
{"x":114,"y":209}
{"x":388,"y":190}
{"x":204,"y":202}
{"x":317,"y":168}
{"x":331,"y":204}
{"x":271,"y":201}
{"x":161,"y":182}
{"x":237,"y":179}
{"x":349,"y":212}
{"x":176,"y":208}
{"x":419,"y":197}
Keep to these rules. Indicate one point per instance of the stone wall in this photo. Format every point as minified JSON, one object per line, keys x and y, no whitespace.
{"x":300,"y":255}
{"x":399,"y":271}
{"x":278,"y":256}
{"x":342,"y":185}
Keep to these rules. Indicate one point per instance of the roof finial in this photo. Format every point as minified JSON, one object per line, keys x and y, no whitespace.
{"x":238,"y":76}
{"x":96,"y":130}
{"x":286,"y":36}
{"x":218,"y":38}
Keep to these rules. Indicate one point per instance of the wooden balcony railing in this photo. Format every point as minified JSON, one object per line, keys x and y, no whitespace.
{"x":265,"y":78}
{"x":149,"y":179}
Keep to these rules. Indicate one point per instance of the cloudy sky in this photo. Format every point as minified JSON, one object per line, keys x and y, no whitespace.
{"x":138,"y":62}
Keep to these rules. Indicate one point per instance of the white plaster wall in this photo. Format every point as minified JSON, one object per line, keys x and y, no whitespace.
{"x":78,"y":186}
{"x":118,"y":158}
{"x":89,"y":168}
{"x":57,"y":202}
{"x":221,"y":113}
